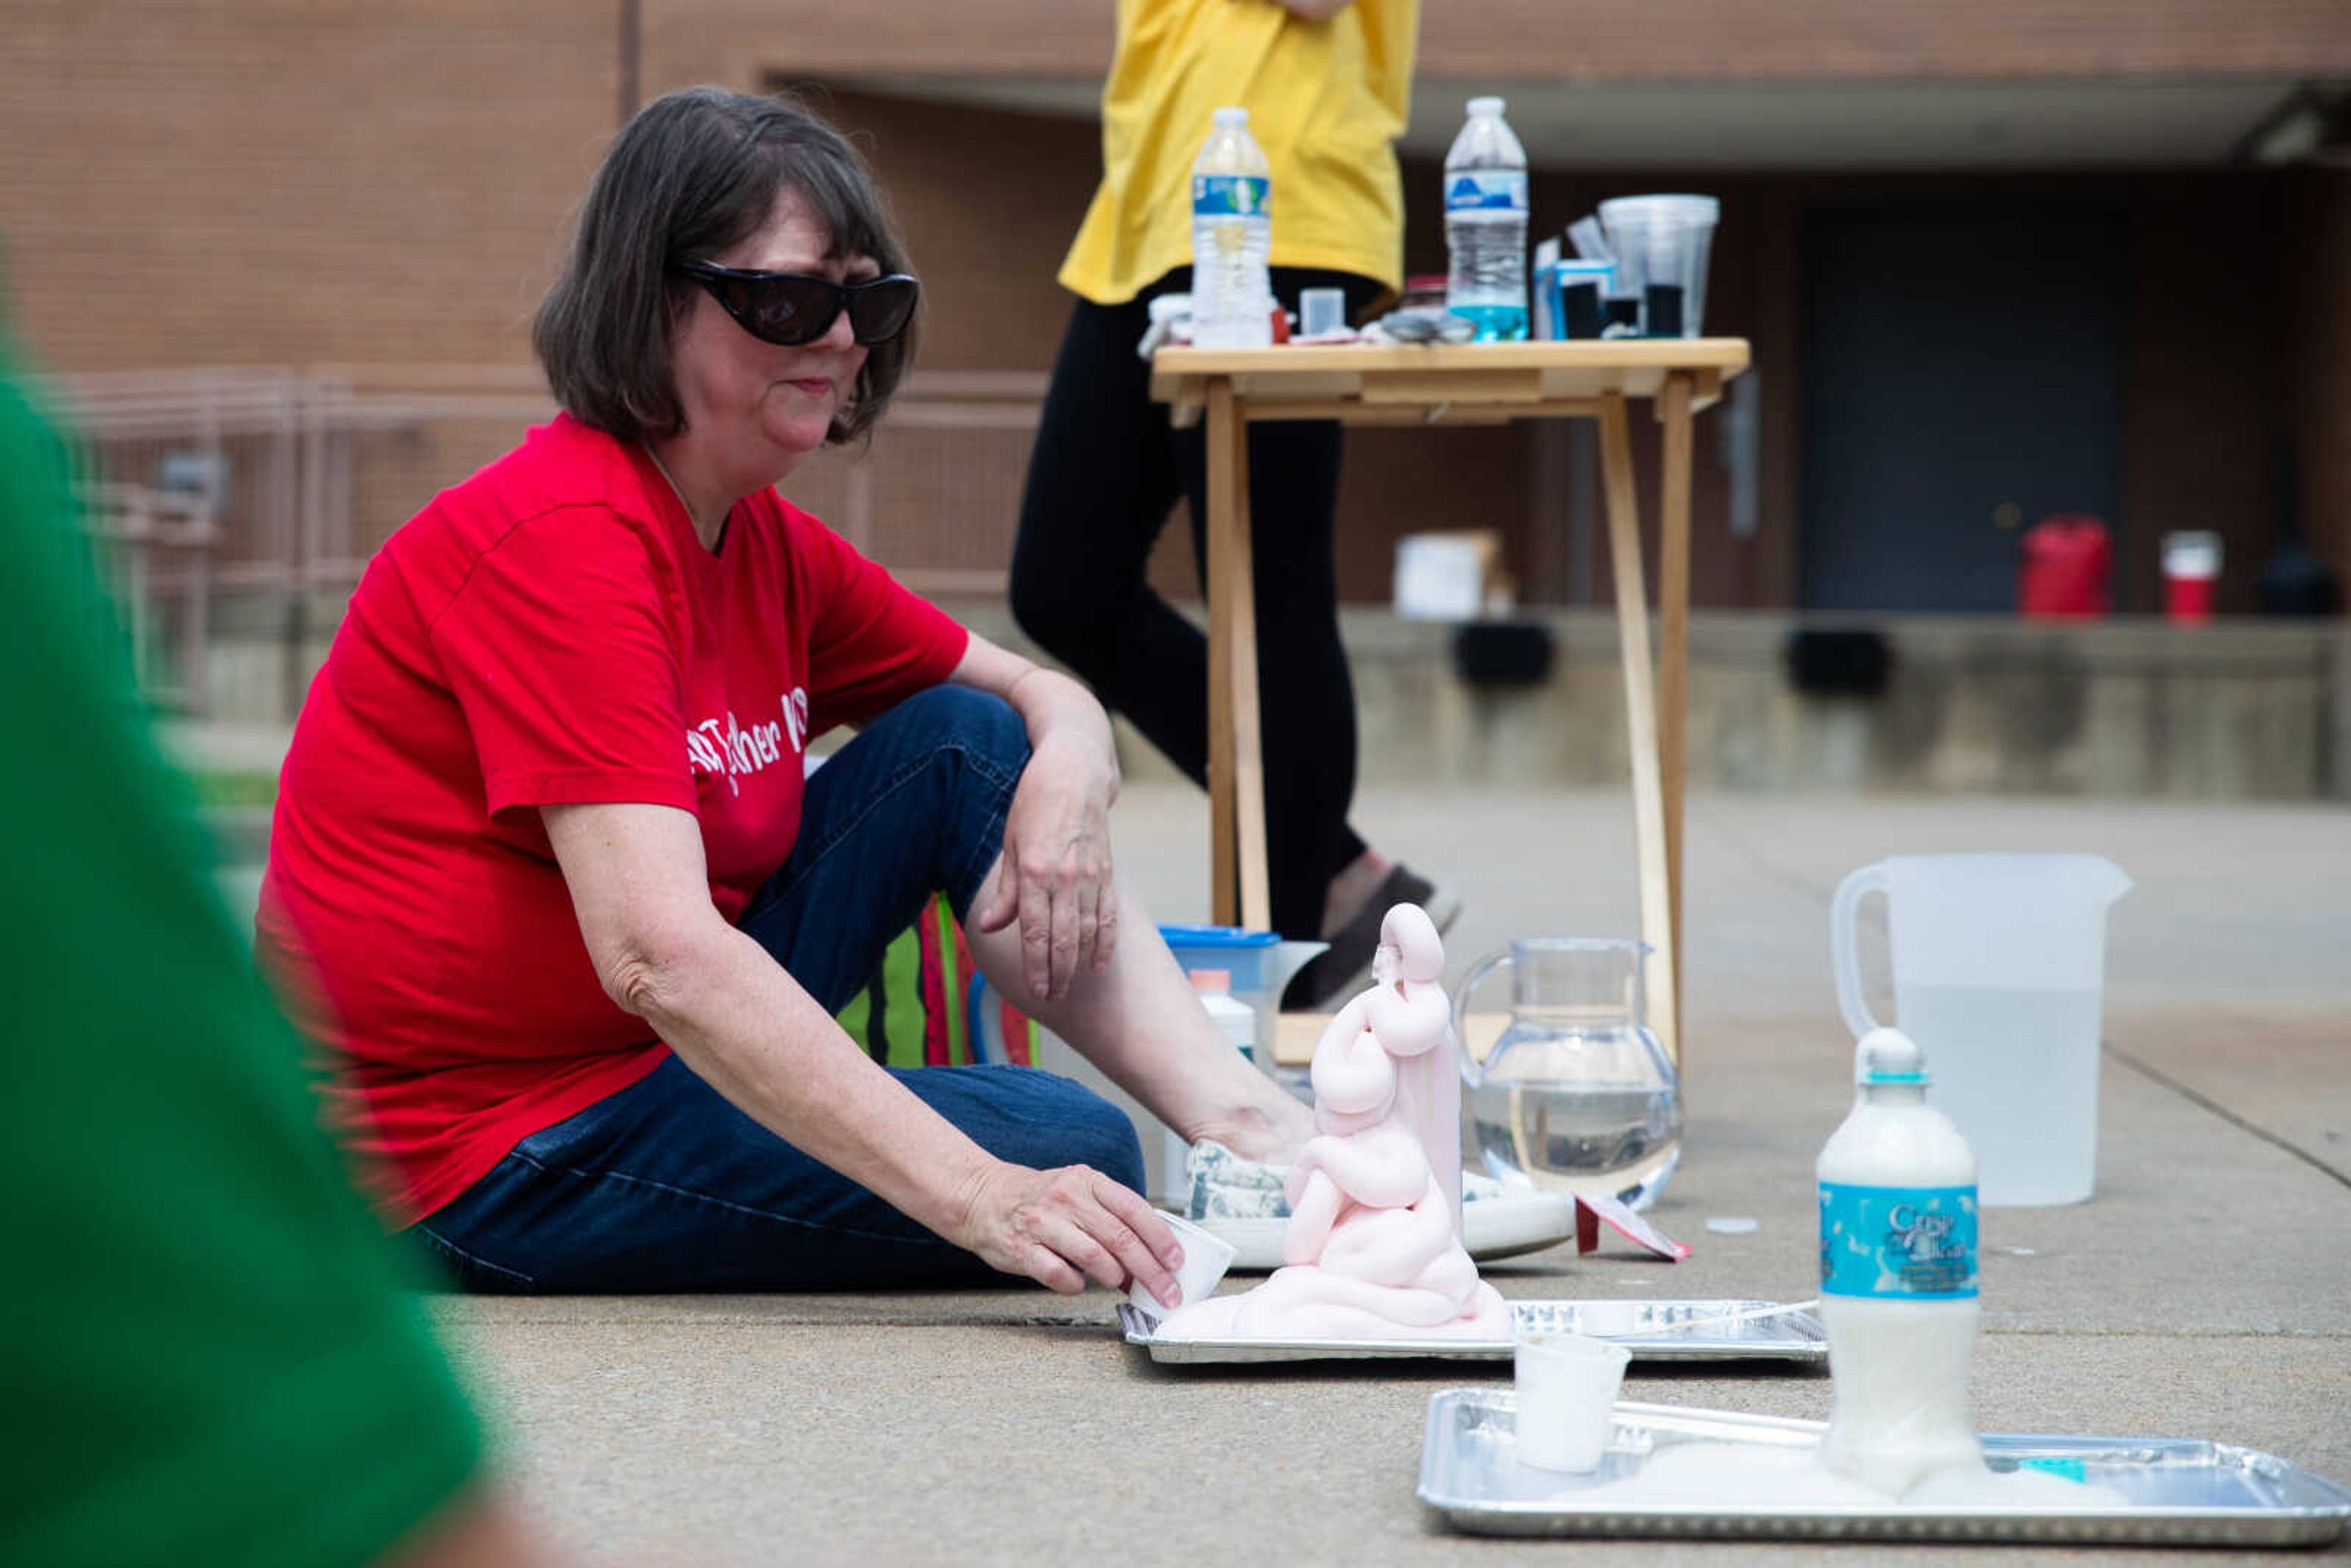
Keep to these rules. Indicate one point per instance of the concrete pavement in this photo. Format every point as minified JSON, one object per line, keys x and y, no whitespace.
{"x":2206,"y":1291}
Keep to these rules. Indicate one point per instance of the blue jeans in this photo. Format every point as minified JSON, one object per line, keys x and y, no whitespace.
{"x":666,"y":1186}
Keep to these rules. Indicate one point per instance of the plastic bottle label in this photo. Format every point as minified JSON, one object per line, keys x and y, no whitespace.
{"x":1229,"y":196}
{"x":1486,"y":190}
{"x":1918,"y":1243}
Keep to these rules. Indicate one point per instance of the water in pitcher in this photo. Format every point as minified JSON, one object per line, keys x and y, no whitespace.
{"x":2017,"y":1070}
{"x":1577,"y":1094}
{"x":1619,"y":1143}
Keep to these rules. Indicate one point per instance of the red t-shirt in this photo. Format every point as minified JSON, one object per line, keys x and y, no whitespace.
{"x":550,"y":632}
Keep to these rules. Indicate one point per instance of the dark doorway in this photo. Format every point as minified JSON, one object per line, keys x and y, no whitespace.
{"x":1962,"y":371}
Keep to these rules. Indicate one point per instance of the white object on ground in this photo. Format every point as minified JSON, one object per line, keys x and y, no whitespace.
{"x":1566,"y":1387}
{"x":1731,"y":1224}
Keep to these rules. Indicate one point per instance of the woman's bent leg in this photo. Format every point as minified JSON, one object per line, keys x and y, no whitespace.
{"x":913,"y":806}
{"x":668,"y":1186}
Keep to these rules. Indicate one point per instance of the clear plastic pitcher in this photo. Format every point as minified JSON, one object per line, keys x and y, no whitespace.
{"x":1999,"y":976}
{"x":1576,"y":1094}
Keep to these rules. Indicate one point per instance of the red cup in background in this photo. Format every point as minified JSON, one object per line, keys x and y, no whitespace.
{"x":2062,"y":575}
{"x":2192,"y":576}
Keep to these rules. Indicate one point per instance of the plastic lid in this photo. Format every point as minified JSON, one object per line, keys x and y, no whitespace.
{"x":1888,"y":1056}
{"x":1216,"y":936}
{"x":1210,"y":979}
{"x":1486,"y":105}
{"x":1230,"y":118}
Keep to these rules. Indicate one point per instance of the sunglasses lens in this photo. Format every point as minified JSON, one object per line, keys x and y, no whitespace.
{"x":880,"y":311}
{"x":793,"y":310}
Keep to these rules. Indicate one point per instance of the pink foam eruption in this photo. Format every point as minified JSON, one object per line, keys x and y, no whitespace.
{"x":1374,"y":1247}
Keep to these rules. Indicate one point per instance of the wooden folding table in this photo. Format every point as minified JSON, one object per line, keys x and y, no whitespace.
{"x":1469,"y":383}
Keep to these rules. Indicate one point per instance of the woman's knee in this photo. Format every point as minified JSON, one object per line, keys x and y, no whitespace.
{"x":966,"y":726}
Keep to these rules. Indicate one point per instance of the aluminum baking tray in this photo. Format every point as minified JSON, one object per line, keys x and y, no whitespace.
{"x":1644,"y":1328}
{"x":2180,"y":1492}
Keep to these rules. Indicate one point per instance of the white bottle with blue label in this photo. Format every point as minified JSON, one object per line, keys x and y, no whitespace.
{"x":1485,"y":224}
{"x":1897,"y":1191}
{"x":1237,"y":1021}
{"x":1232,"y":238}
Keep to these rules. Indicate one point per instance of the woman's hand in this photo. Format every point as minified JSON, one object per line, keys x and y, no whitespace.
{"x":1055,"y":876}
{"x":1062,"y":1228}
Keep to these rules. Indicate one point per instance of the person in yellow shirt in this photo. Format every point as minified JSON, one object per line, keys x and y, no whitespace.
{"x":1328,"y":85}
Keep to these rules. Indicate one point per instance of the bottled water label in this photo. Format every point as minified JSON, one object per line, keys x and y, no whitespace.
{"x":1229,"y":196}
{"x":1914,"y":1243}
{"x":1482,"y":190}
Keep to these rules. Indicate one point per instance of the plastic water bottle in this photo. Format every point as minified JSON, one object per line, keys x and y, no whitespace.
{"x":1232,"y":233}
{"x":1485,"y":224}
{"x":1898,"y":1276}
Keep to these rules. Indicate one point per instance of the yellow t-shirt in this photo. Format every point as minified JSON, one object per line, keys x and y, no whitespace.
{"x":1326,"y":101}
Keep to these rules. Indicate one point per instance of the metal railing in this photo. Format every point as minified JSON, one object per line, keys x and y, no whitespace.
{"x":157,"y":549}
{"x":299,"y":475}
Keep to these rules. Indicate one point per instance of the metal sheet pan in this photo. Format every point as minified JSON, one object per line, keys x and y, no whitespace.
{"x":2180,"y":1491}
{"x":1643,"y":1327}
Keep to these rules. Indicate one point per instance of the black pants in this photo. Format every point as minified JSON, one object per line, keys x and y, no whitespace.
{"x":1105,"y":473}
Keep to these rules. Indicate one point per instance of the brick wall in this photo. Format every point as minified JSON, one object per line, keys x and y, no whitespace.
{"x":287,"y":183}
{"x":1620,"y":40}
{"x":252,"y":183}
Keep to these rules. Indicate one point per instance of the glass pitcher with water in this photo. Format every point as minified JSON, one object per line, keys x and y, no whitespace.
{"x":1576,"y":1094}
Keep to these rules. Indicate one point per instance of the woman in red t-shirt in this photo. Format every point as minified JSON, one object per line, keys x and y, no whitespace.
{"x":576,"y":912}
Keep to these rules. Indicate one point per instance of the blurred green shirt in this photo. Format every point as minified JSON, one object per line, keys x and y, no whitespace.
{"x":204,"y":1356}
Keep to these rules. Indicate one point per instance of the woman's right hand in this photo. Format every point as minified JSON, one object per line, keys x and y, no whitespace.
{"x":1062,"y":1228}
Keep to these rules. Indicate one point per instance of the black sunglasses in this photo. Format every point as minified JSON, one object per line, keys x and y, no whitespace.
{"x":793,"y":309}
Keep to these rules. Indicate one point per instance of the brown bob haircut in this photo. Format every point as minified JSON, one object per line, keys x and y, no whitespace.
{"x":692,"y":173}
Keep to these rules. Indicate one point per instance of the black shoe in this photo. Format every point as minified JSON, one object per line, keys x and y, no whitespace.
{"x":1348,"y":963}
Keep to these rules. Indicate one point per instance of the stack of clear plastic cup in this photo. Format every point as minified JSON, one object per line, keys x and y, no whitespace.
{"x":1662,"y":243}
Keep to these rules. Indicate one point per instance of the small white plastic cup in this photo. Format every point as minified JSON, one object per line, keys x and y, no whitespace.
{"x":1566,"y":1401}
{"x":1205,"y":1258}
{"x":1321,"y":310}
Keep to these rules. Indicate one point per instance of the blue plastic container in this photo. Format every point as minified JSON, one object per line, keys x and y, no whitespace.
{"x":1242,"y":954}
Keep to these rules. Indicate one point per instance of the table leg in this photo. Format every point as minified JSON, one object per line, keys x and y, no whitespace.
{"x":1673,"y":641}
{"x":1239,"y":889}
{"x":1641,"y":721}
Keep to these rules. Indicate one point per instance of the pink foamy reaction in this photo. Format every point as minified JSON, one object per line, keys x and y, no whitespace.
{"x":1374,"y":1247}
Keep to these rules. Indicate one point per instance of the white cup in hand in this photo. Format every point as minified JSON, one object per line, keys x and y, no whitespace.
{"x":1205,"y":1258}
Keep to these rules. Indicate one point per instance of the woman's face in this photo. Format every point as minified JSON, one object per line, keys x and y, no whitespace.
{"x":755,"y":409}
